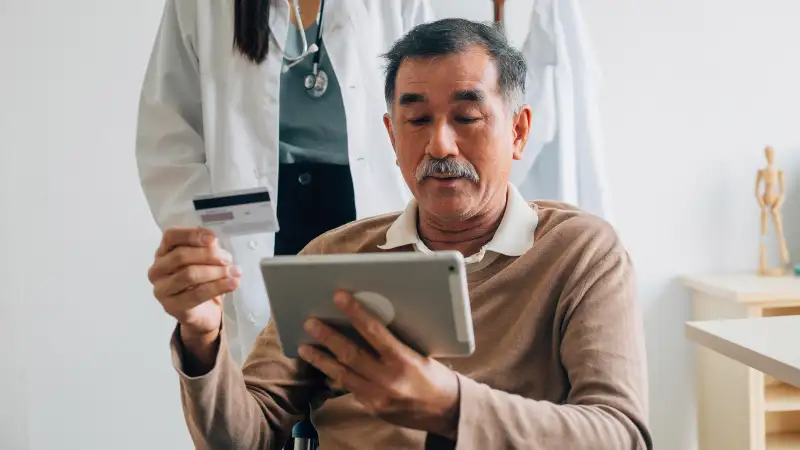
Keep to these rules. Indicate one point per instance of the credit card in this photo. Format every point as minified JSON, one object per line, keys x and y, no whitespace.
{"x":237,"y":213}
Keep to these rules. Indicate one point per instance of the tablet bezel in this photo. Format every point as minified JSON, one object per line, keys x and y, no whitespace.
{"x":456,"y":340}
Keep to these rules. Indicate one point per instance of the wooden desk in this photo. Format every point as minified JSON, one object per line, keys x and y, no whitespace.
{"x":770,"y":345}
{"x":744,"y":404}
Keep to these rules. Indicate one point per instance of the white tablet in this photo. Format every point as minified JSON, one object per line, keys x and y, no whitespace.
{"x":422,"y":298}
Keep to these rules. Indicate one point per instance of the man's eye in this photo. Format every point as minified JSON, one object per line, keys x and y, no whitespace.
{"x":420,"y":120}
{"x":467,"y":120}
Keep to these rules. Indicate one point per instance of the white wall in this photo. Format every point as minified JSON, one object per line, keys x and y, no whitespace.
{"x":89,"y":365}
{"x":693,"y":90}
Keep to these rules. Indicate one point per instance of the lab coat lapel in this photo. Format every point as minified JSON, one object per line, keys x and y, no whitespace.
{"x":371,"y":157}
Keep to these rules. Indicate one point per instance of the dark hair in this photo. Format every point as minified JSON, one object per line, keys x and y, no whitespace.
{"x":251,"y":28}
{"x":448,"y":36}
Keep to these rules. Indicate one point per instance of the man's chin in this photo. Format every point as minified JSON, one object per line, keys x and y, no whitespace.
{"x":446,"y":205}
{"x":447,"y":195}
{"x":447,"y":187}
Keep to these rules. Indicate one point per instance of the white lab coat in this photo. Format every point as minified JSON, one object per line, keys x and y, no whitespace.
{"x":208,"y":122}
{"x":564,"y":158}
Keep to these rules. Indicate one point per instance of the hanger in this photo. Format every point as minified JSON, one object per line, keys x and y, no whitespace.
{"x":498,"y":10}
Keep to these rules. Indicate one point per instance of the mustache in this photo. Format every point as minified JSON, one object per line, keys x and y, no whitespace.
{"x":449,"y":165}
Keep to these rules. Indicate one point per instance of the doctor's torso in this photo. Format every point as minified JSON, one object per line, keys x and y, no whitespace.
{"x":241,"y":100}
{"x":240,"y":108}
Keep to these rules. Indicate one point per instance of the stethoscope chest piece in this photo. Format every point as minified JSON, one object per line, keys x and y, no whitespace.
{"x":316,"y":85}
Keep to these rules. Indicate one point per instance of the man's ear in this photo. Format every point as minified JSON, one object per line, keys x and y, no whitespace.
{"x":387,"y":122}
{"x":522,"y":126}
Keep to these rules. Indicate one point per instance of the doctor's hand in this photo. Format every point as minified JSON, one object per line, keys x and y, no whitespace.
{"x":190,"y":276}
{"x":391,"y":381}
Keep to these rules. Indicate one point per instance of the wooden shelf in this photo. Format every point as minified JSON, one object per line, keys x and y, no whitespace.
{"x":783,"y":441}
{"x":781,"y":397}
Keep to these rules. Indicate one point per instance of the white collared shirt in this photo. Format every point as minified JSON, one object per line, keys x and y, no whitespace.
{"x":513,"y":237}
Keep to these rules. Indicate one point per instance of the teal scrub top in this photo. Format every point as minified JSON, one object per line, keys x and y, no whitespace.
{"x":312,"y":130}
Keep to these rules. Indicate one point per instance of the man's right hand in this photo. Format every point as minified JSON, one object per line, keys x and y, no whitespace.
{"x":190,"y":276}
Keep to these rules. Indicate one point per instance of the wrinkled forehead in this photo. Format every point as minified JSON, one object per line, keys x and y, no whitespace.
{"x":447,"y":78}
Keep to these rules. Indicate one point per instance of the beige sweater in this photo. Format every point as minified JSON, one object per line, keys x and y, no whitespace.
{"x":559,"y":361}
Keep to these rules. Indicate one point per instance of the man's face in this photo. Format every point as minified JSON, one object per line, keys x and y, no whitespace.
{"x":449,"y":116}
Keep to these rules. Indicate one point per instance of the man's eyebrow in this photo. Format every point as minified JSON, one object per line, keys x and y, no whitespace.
{"x":470,"y":95}
{"x":409,"y":98}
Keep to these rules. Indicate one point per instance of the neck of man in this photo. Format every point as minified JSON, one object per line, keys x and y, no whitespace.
{"x":466,"y":236}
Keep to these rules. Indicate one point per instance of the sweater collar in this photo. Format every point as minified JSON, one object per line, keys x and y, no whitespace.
{"x":513,"y":237}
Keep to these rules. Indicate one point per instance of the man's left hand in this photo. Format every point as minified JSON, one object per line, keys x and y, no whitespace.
{"x":397,"y":384}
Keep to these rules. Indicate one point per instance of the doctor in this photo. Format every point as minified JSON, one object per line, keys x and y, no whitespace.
{"x":282,"y":94}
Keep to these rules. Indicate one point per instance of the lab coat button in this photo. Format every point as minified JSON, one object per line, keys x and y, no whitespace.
{"x":251,"y":317}
{"x":254,"y":244}
{"x":304,"y":178}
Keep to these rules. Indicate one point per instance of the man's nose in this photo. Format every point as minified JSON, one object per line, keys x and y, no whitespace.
{"x":442,"y":142}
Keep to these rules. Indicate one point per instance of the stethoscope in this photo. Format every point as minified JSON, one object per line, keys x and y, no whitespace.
{"x":316,"y":83}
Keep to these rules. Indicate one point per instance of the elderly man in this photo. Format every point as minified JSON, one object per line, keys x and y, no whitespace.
{"x":559,"y":362}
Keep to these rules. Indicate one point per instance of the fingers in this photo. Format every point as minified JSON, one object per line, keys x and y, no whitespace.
{"x":374,"y":332}
{"x":350,"y":354}
{"x":191,"y":276}
{"x":339,"y":374}
{"x":182,"y":257}
{"x":198,"y":294}
{"x":191,"y":237}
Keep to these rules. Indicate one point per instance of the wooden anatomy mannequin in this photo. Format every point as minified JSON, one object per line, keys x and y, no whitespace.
{"x":771,"y":200}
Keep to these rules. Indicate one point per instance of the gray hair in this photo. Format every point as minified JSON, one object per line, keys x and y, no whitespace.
{"x":450,"y":36}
